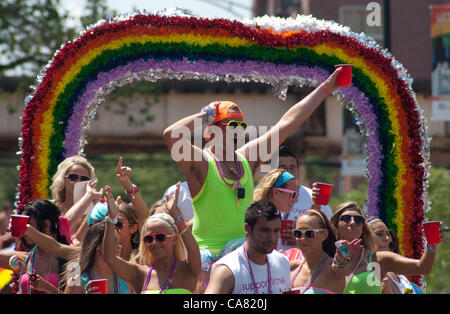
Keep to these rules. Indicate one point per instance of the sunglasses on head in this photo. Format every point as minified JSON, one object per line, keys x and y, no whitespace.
{"x":358,"y":219}
{"x":75,"y":177}
{"x":293,"y":193}
{"x":310,"y":233}
{"x":232,"y":124}
{"x":158,"y":237}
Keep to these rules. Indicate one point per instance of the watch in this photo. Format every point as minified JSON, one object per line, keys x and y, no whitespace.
{"x":111,"y":220}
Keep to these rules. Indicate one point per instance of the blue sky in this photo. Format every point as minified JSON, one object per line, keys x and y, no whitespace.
{"x":203,"y":8}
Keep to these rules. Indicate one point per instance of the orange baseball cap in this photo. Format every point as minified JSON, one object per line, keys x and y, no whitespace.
{"x":223,"y":108}
{"x":222,"y":113}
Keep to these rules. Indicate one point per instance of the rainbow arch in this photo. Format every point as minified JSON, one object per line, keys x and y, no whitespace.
{"x":280,"y":52}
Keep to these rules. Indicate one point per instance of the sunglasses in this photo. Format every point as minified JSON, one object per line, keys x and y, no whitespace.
{"x":158,"y":237}
{"x":234,"y":124}
{"x":310,"y":233}
{"x":119,"y":225}
{"x":75,"y":177}
{"x":293,"y":193}
{"x":358,"y":219}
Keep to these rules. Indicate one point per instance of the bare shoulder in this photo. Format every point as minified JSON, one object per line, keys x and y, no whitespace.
{"x":221,"y":281}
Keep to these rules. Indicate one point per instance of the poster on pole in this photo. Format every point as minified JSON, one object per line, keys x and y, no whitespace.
{"x":440,"y":75}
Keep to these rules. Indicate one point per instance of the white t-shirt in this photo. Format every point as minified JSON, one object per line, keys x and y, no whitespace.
{"x":184,"y":199}
{"x":236,"y":261}
{"x":304,"y":202}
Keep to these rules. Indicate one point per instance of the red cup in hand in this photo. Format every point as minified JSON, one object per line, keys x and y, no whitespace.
{"x":100,"y":284}
{"x":432,"y":231}
{"x":324,"y":193}
{"x":18,"y":225}
{"x":344,"y":78}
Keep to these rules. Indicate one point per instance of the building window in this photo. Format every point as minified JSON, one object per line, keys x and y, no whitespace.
{"x":355,"y":17}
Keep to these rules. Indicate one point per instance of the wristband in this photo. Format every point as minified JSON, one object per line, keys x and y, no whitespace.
{"x":183,"y":230}
{"x":431,"y":248}
{"x":323,"y":87}
{"x":111,"y":220}
{"x":133,"y":191}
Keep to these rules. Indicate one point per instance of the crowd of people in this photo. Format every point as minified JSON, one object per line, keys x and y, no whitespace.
{"x":215,"y":233}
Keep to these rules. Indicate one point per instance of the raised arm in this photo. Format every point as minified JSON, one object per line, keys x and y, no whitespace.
{"x":139,"y":205}
{"x":194,"y":262}
{"x":392,"y":262}
{"x":290,"y":121}
{"x":75,"y":213}
{"x":129,"y":272}
{"x":188,"y":157}
{"x":49,"y":244}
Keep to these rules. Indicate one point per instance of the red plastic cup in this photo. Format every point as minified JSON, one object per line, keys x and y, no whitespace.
{"x":100,"y":283}
{"x":19,"y":225}
{"x":432,"y":231}
{"x":324,"y":193}
{"x":344,"y":78}
{"x":286,"y":225}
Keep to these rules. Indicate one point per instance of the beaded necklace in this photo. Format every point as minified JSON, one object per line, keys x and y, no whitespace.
{"x":350,"y":275}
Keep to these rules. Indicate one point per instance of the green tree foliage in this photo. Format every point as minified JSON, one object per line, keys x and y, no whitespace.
{"x":30,"y":32}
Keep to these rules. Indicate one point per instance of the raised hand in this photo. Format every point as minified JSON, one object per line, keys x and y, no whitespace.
{"x":92,"y":192}
{"x":172,"y":202}
{"x":112,"y":206}
{"x":331,"y":82}
{"x":123,"y":173}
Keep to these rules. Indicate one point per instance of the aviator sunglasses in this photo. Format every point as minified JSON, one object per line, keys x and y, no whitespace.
{"x":158,"y":237}
{"x":310,"y":233}
{"x":234,"y":124}
{"x":75,"y":177}
{"x":358,"y":219}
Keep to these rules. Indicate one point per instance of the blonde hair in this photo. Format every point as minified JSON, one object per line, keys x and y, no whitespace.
{"x":265,"y":185}
{"x":367,"y":236}
{"x":180,"y":252}
{"x":58,"y":186}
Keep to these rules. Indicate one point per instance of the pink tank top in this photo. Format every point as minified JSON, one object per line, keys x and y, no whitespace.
{"x":25,"y":287}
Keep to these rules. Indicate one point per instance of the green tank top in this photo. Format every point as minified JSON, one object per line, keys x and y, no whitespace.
{"x":359,"y":283}
{"x":217,"y":218}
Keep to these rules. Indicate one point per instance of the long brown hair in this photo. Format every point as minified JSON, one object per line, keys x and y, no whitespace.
{"x":367,"y":236}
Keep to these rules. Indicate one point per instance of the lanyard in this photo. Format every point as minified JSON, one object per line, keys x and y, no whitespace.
{"x":269,"y":277}
{"x":166,"y":284}
{"x":313,"y":276}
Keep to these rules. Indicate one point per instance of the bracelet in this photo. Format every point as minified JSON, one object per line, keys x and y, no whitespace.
{"x":111,"y":220}
{"x":183,"y":229}
{"x":322,"y":86}
{"x":339,"y":263}
{"x":133,"y":191}
{"x":178,"y":219}
{"x":431,"y":248}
